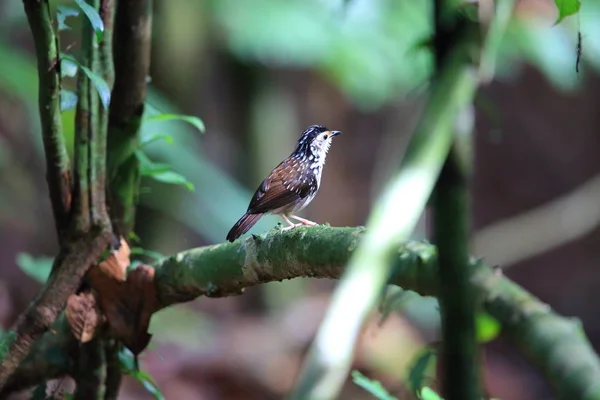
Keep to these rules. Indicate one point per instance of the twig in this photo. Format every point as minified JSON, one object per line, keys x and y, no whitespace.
{"x":113,"y":369}
{"x":83,"y":134}
{"x":57,"y":159}
{"x":104,"y":64}
{"x":458,"y":302}
{"x":133,"y":25}
{"x":451,"y":217}
{"x":91,"y":371}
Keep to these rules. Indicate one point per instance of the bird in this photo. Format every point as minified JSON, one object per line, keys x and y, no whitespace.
{"x":291,"y":185}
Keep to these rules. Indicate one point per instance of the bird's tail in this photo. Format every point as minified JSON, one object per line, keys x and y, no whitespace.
{"x":243,"y":225}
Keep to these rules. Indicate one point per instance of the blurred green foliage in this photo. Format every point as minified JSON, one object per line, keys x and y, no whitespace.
{"x":371,"y":386}
{"x":37,"y":268}
{"x":370,"y":49}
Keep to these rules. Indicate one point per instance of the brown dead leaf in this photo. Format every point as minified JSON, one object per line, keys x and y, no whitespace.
{"x":127,"y":305}
{"x":117,"y":262}
{"x":83,"y":316}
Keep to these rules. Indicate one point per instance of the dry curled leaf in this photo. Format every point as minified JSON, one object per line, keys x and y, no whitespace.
{"x":117,"y":262}
{"x":83,"y":316}
{"x":127,"y":305}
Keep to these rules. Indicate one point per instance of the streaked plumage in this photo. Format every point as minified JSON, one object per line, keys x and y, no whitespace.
{"x":292,"y":185}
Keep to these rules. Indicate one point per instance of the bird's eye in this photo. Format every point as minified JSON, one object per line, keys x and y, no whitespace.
{"x":324,"y":136}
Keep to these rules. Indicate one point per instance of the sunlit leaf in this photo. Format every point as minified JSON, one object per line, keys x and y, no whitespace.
{"x":99,"y":83}
{"x":62,"y":14}
{"x":93,"y":17}
{"x":68,"y":100}
{"x":37,"y":268}
{"x":566,"y":8}
{"x":149,"y":384}
{"x":429,"y":394}
{"x":195,"y":121}
{"x":371,"y":386}
{"x":417,"y":372}
{"x":488,"y":328}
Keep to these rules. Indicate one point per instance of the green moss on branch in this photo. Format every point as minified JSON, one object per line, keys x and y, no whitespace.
{"x":554,"y":344}
{"x":58,"y":170}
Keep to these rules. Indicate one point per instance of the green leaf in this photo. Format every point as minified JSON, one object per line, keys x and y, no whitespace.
{"x":488,"y":328}
{"x":155,"y":138}
{"x":98,"y":82}
{"x":68,"y":67}
{"x":127,"y":362}
{"x":195,"y":121}
{"x":429,"y":394}
{"x":62,"y":14}
{"x":68,"y":100}
{"x":37,"y":268}
{"x":154,"y":168}
{"x":93,"y":17}
{"x":417,"y":372}
{"x":566,"y":8}
{"x":149,"y":384}
{"x":161,"y":172}
{"x":174,"y":178}
{"x":371,"y":386}
{"x":133,"y":237}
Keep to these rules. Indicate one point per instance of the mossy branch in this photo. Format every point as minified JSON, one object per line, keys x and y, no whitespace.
{"x":556,"y":345}
{"x":58,"y":170}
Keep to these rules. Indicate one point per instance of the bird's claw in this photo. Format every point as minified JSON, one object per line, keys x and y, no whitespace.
{"x":287,"y":228}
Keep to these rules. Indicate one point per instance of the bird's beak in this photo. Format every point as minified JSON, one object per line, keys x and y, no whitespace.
{"x":335,"y":133}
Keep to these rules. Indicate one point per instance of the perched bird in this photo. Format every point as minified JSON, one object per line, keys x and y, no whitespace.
{"x":292,"y":184}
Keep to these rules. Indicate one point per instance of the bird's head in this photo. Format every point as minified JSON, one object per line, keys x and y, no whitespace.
{"x":315,"y":141}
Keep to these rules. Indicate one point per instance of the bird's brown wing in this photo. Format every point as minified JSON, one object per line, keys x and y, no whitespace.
{"x":284,"y":186}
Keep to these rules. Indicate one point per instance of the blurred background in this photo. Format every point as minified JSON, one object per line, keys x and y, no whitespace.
{"x":257,"y":73}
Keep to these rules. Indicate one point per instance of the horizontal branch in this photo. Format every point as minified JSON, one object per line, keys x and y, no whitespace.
{"x":556,"y":345}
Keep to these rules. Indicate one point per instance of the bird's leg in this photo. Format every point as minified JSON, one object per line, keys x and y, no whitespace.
{"x":303,"y":220}
{"x":290,"y":223}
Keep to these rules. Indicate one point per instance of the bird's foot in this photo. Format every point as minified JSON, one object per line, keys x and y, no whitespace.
{"x":287,"y":228}
{"x":304,"y":221}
